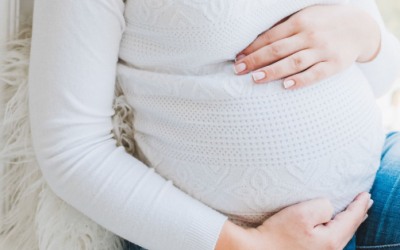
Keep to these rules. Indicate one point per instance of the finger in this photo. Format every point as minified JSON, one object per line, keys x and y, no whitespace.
{"x":313,"y":212}
{"x":276,"y":33}
{"x":270,"y":54}
{"x":345,"y":224}
{"x":310,"y":76}
{"x":288,"y":66}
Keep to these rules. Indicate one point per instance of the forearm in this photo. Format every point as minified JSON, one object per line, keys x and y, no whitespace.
{"x":74,"y":55}
{"x":385,"y":66}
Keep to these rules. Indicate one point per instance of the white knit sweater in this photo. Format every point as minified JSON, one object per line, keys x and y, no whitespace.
{"x":231,"y":148}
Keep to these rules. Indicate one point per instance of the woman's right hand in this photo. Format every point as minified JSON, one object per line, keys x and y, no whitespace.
{"x":304,"y":226}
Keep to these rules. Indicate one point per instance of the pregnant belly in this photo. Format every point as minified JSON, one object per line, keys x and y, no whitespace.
{"x":250,"y":150}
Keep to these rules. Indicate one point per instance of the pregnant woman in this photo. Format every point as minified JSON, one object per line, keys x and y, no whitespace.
{"x":277,"y":150}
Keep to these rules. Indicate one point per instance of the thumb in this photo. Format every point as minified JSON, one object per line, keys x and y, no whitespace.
{"x":346,"y":223}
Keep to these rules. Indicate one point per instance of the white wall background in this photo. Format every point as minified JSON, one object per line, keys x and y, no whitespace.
{"x":26,"y":9}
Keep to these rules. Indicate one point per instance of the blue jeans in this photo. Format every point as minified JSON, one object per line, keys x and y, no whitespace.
{"x":382,"y":228}
{"x":381,"y":231}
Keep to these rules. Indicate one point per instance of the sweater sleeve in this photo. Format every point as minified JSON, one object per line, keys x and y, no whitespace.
{"x":385,"y":68}
{"x":73,"y":62}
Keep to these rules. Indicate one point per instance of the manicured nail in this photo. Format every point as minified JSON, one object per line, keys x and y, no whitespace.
{"x":365,"y":218}
{"x":289,"y":84}
{"x":240,"y":67}
{"x":239,"y":57}
{"x":370,"y":203}
{"x":259,"y":75}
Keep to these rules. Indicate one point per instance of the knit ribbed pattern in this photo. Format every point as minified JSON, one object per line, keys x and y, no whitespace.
{"x":246,"y":150}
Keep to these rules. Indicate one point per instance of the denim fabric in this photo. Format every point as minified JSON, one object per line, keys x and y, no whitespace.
{"x":131,"y":246}
{"x":382,"y":228}
{"x":381,"y":231}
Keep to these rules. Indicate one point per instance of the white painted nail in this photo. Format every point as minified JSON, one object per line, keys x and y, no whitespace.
{"x":240,"y":57}
{"x":289,"y":84}
{"x":259,"y":75}
{"x":365,"y":218}
{"x":239,"y":68}
{"x":370,"y":203}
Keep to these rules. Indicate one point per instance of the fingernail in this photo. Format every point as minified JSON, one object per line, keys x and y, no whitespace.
{"x":259,"y":75}
{"x":239,"y":57}
{"x":365,"y":218}
{"x":370,"y":203}
{"x":289,"y":84}
{"x":240,"y":67}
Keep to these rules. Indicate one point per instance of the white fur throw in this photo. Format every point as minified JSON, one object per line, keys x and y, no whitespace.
{"x":34,"y":218}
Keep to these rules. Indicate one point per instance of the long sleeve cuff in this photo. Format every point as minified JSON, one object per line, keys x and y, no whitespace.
{"x":385,"y":68}
{"x":206,"y":224}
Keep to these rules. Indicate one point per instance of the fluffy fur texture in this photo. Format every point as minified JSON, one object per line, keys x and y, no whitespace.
{"x":34,"y":218}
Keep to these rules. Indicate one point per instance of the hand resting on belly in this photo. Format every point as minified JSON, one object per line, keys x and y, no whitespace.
{"x":311,"y":45}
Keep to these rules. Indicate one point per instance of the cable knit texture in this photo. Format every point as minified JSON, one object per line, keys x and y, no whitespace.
{"x":213,"y":145}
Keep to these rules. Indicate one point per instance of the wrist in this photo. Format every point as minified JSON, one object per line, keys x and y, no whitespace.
{"x":232,"y":237}
{"x":371,"y":39}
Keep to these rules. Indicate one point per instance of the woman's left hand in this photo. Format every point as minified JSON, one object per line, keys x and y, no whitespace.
{"x":313,"y":44}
